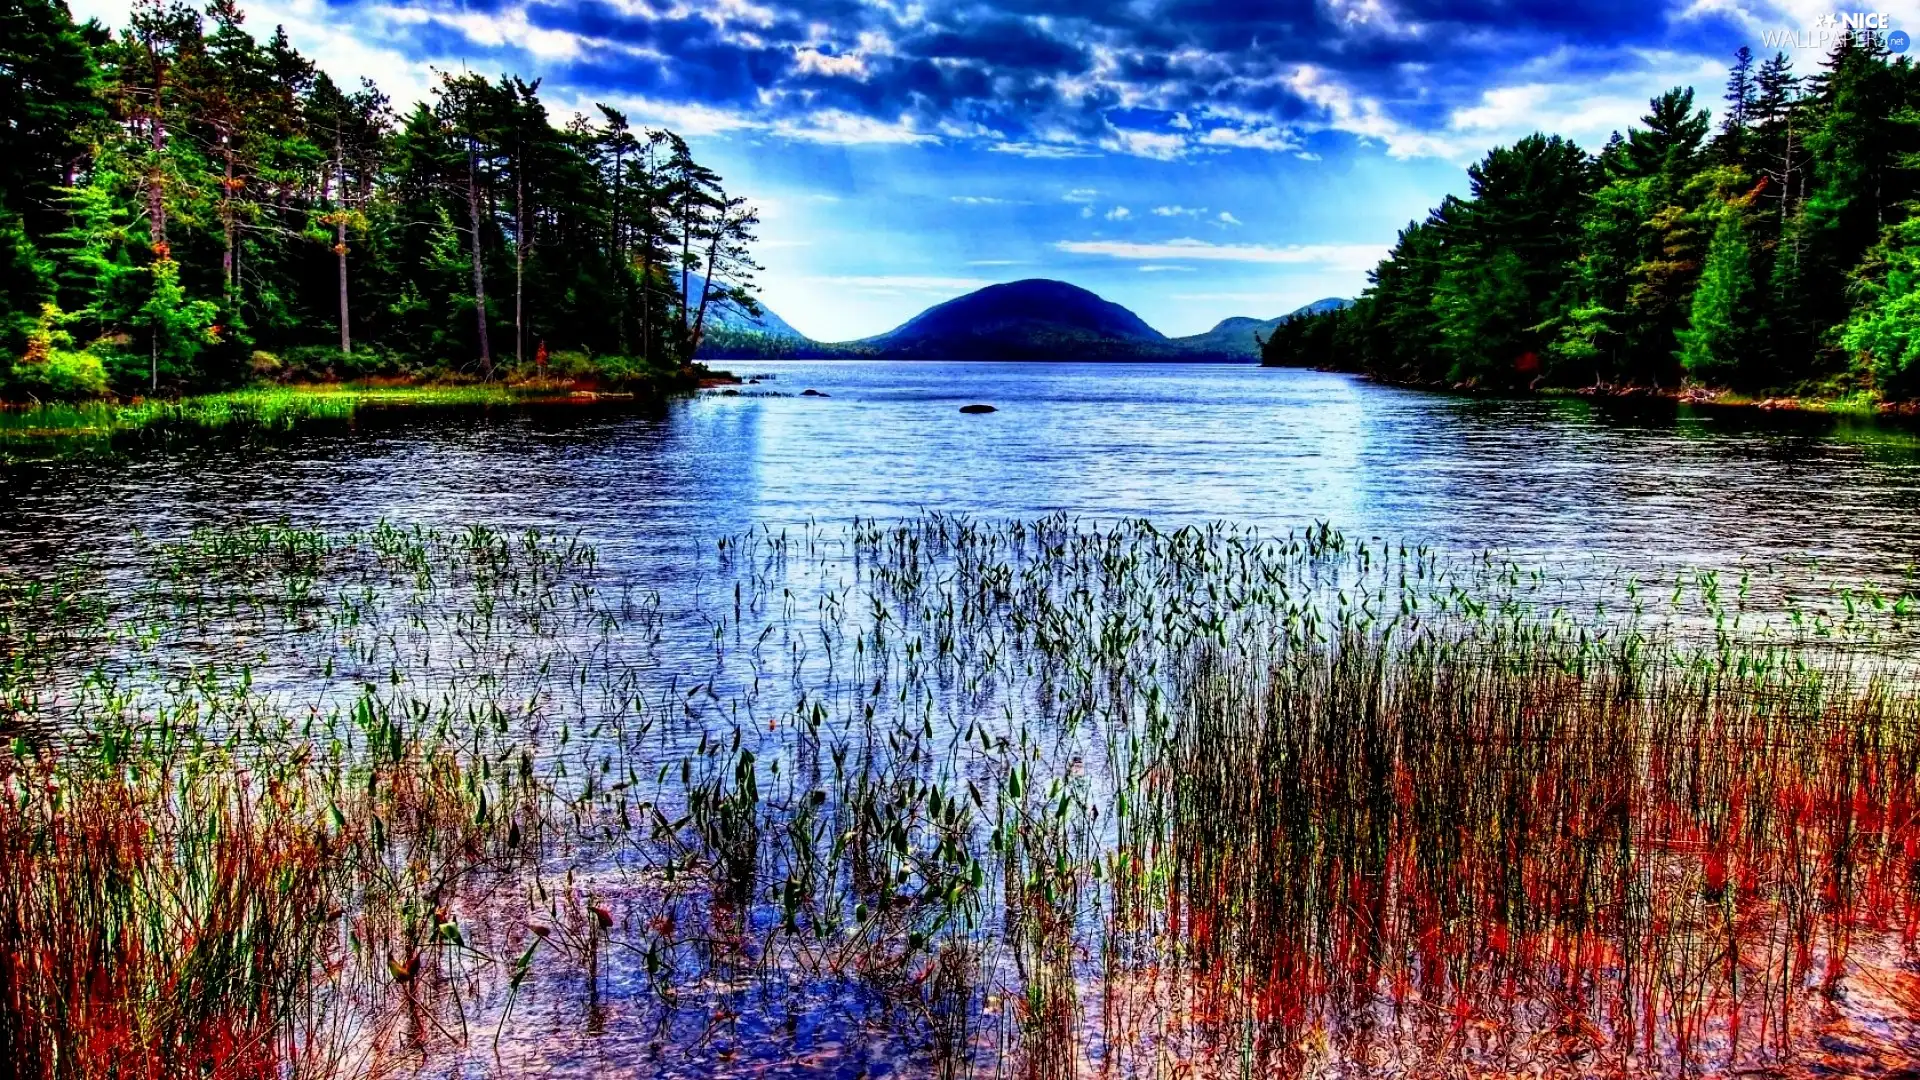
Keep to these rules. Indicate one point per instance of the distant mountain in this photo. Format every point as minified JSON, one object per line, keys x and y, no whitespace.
{"x":1034,"y":319}
{"x":728,"y":316}
{"x":1235,"y":337}
{"x":1321,"y":306}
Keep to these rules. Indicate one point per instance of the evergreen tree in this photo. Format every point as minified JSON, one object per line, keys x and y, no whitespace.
{"x":1885,"y":329}
{"x":199,"y":193}
{"x":1722,"y":340}
{"x":1736,"y":124}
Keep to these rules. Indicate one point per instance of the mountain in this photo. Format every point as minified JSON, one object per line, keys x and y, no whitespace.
{"x":730,"y":317}
{"x":1235,"y":337}
{"x":1034,"y":319}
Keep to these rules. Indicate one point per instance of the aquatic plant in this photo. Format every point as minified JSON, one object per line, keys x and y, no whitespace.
{"x":1026,"y":798}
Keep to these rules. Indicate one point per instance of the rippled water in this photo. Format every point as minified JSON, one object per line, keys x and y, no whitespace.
{"x":1280,"y":449}
{"x":1569,"y":483}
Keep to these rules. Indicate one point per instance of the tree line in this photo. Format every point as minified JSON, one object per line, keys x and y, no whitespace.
{"x":184,"y":206}
{"x":1778,"y":250}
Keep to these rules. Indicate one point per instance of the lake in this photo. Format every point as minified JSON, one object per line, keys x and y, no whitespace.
{"x":1542,"y":480}
{"x":846,"y":734}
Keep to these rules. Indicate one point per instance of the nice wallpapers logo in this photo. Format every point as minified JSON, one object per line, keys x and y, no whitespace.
{"x":1828,"y":29}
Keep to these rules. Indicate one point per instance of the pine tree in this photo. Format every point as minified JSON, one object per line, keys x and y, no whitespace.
{"x":1731,"y":146}
{"x":1721,"y":342}
{"x":1885,"y":329}
{"x":49,"y":99}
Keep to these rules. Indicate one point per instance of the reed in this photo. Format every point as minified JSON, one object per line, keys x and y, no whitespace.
{"x":1034,"y":799}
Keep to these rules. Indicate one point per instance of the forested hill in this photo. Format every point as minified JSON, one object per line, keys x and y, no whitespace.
{"x":1022,"y":320}
{"x":1776,"y":249}
{"x":185,"y":205}
{"x":1033,"y":319}
{"x":1243,"y":336}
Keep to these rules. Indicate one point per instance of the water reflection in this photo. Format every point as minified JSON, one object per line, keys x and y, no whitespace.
{"x":1545,"y":479}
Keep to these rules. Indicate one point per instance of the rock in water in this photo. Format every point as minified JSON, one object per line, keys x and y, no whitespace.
{"x":978,"y":409}
{"x":811,"y":392}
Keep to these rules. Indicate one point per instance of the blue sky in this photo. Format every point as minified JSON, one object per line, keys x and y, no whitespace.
{"x":1189,"y":160}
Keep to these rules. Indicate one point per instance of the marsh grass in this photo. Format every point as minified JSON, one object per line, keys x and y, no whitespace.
{"x":1034,"y":798}
{"x":272,"y":408}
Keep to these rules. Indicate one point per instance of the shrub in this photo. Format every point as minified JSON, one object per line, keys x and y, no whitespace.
{"x":66,"y":375}
{"x":324,"y":362}
{"x":52,"y":369}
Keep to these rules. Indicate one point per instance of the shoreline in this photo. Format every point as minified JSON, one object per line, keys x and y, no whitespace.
{"x":277,"y":404}
{"x":1857,"y":405}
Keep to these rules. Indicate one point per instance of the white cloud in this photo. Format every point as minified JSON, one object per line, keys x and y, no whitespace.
{"x":1261,"y":137}
{"x":1040,"y":150}
{"x":1362,"y":14}
{"x":815,"y":62}
{"x":995,"y":262}
{"x":1585,"y":109}
{"x":902,"y":282}
{"x":1160,"y":268}
{"x":1500,"y":108}
{"x":1119,"y":213}
{"x":1331,"y":256}
{"x":837,"y":127}
{"x":1082,"y":194}
{"x":508,"y":26}
{"x":1086,"y":211}
{"x":1356,"y":114}
{"x":687,"y":118}
{"x":1227,"y":218}
{"x":1159,"y":145}
{"x":985,"y":200}
{"x":1179,"y":211}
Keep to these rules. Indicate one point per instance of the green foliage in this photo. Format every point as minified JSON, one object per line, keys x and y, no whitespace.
{"x":49,"y":97}
{"x":1885,"y":329}
{"x":51,"y":369}
{"x":178,"y":329}
{"x":196,"y":195}
{"x":1773,"y":258}
{"x":24,"y":282}
{"x":1722,"y":340}
{"x":615,"y":372}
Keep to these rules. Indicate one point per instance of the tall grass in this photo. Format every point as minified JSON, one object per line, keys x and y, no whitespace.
{"x":973,"y":799}
{"x":274,"y":407}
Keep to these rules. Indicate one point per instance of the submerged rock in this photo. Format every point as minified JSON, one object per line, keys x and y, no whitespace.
{"x":978,"y":409}
{"x":811,"y":392}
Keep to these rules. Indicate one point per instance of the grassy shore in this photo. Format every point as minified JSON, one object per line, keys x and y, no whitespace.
{"x":282,"y":406}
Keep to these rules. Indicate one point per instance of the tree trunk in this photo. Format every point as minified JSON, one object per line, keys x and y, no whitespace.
{"x":156,"y":207}
{"x":479,"y":275}
{"x":1786,"y":171}
{"x":519,"y":264}
{"x":156,"y":181}
{"x":226,"y":213}
{"x":340,"y":248}
{"x":686,"y":251}
{"x":646,"y":306}
{"x":617,"y":248}
{"x":706,"y":288}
